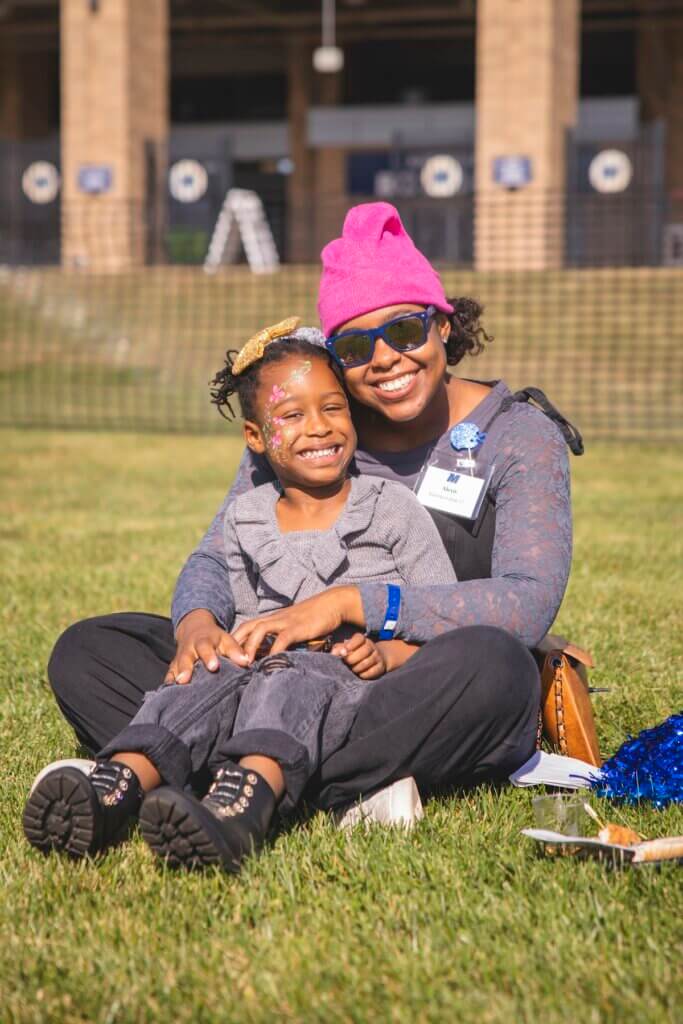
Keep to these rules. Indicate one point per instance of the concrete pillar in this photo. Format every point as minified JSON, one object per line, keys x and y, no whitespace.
{"x":330,"y":171}
{"x":300,"y":183}
{"x":660,"y":85}
{"x":114,"y":117}
{"x":527,"y":97}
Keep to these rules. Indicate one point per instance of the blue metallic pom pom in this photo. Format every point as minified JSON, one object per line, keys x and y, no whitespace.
{"x":466,"y":436}
{"x":647,"y":767}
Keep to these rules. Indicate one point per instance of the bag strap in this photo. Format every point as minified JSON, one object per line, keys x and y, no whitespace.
{"x":538,"y":398}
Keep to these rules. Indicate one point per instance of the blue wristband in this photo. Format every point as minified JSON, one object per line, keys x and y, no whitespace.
{"x":391,"y":614}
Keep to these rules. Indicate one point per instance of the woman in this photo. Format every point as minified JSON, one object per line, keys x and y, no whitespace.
{"x":465,"y":707}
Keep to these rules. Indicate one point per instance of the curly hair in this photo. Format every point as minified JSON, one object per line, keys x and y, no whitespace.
{"x":467,"y":336}
{"x":225,"y":385}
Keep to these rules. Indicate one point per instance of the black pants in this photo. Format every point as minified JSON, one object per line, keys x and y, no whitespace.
{"x":461,"y":710}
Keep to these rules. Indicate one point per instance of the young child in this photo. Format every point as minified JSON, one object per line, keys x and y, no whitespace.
{"x":260,"y":729}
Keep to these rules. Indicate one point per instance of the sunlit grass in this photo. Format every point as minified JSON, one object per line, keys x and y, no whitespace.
{"x":459,"y":921}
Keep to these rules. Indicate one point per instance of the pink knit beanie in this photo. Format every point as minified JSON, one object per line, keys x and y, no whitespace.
{"x":374,"y":264}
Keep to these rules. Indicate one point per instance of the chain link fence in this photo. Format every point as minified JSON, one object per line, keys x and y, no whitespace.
{"x":583,"y":295}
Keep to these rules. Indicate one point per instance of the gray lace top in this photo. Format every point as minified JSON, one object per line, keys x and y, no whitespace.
{"x":531,"y":550}
{"x":383,"y":535}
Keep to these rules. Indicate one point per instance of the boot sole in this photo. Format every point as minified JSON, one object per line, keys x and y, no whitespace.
{"x":61,"y":814}
{"x":181,"y":832}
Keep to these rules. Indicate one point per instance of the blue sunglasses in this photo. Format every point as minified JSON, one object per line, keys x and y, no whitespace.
{"x":405,"y":333}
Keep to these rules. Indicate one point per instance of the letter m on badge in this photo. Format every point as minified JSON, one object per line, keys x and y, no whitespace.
{"x":453,"y":478}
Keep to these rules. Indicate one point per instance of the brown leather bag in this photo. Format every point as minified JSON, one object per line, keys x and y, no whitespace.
{"x":566,"y":709}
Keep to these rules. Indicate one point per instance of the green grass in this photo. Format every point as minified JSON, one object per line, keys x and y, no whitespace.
{"x":459,"y":921}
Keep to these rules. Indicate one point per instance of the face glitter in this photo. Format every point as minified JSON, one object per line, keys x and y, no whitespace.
{"x":272,"y":434}
{"x":296,"y":376}
{"x":275,"y":439}
{"x":272,"y":426}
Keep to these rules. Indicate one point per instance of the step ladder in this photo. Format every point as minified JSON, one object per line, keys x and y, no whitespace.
{"x":242,"y":219}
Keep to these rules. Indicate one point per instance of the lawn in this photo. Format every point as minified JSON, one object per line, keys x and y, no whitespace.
{"x":460,"y":921}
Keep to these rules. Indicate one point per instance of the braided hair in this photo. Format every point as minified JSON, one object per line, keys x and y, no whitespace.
{"x":467,"y":336}
{"x":226,"y":385}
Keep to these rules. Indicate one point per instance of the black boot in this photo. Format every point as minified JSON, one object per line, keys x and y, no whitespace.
{"x":226,"y":826}
{"x":80,"y":814}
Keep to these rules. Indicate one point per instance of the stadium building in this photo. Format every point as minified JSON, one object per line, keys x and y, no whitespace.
{"x":507,"y":131}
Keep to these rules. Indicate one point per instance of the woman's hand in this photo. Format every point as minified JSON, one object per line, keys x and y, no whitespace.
{"x":309,"y":620}
{"x":200,"y":638}
{"x":364,"y":657}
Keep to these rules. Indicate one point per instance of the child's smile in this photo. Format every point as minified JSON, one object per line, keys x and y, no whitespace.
{"x":319,"y":455}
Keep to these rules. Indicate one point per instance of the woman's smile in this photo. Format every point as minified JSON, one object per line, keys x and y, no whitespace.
{"x":397,"y":387}
{"x":401,"y":388}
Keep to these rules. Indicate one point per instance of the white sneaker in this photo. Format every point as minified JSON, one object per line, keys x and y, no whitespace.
{"x":81,"y":763}
{"x":398,"y":805}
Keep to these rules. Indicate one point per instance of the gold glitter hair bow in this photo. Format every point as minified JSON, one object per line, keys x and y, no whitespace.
{"x":255,"y":347}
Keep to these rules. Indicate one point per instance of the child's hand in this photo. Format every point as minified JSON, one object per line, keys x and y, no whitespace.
{"x":363,"y":657}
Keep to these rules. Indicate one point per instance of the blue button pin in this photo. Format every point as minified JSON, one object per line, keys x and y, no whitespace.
{"x":465,"y":436}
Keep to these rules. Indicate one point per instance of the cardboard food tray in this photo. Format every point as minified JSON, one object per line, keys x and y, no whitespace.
{"x":654,"y":851}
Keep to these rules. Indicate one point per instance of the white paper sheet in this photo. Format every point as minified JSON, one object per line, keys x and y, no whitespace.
{"x":555,"y":770}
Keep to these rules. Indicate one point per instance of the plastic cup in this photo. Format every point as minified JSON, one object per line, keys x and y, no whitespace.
{"x":560,"y":812}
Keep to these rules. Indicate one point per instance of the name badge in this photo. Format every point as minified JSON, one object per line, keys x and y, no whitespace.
{"x":449,"y":490}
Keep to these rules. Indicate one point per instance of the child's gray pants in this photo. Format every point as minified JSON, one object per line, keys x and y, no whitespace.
{"x":296,"y":708}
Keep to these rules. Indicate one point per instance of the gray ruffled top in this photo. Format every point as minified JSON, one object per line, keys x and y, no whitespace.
{"x":383,"y":535}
